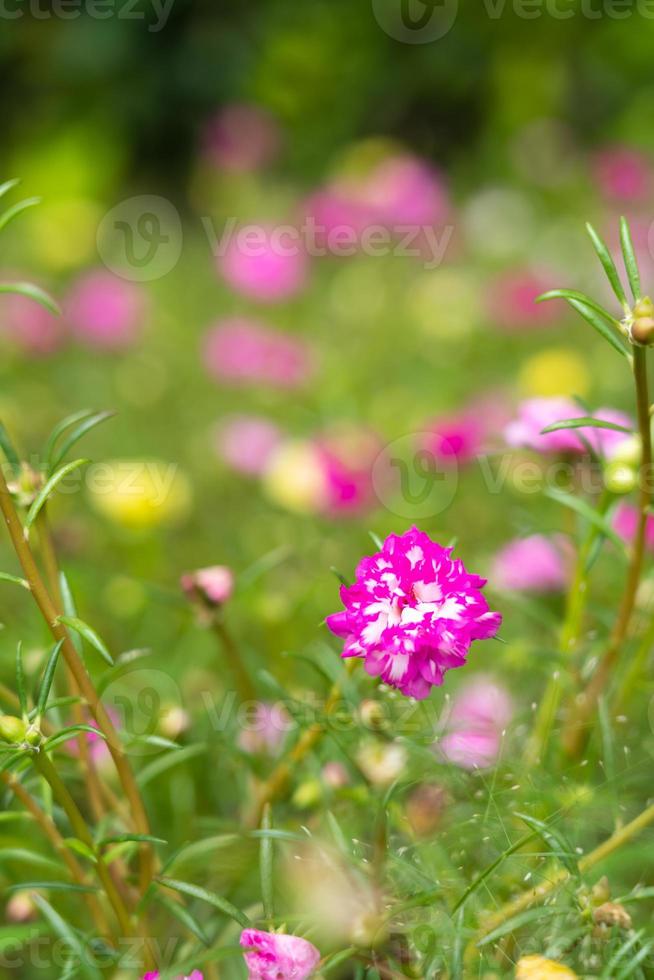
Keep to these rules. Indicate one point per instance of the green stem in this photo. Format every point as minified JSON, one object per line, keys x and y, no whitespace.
{"x":635,"y":669}
{"x":575,"y":608}
{"x":80,"y":828}
{"x":49,"y":612}
{"x":237,"y":666}
{"x":554,"y":881}
{"x":580,"y":718}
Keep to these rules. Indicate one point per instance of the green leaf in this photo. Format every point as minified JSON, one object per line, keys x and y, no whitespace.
{"x":24,"y":856}
{"x":217,"y":901}
{"x":266,"y":866}
{"x":516,"y":922}
{"x":631,"y":265}
{"x":69,"y":935}
{"x":32,"y":292}
{"x":183,"y":915}
{"x":596,"y":321}
{"x":70,"y":610}
{"x":78,"y":432}
{"x":58,"y":430}
{"x":15,"y":580}
{"x":585,"y":422}
{"x":156,"y":768}
{"x":9,"y":186}
{"x":49,"y":487}
{"x":608,"y":265}
{"x":589,"y":513}
{"x":376,"y":540}
{"x":66,"y":734}
{"x":48,"y":678}
{"x":135,"y":838}
{"x":81,"y":848}
{"x":570,"y":294}
{"x":481,"y":878}
{"x":335,"y":959}
{"x":20,"y":680}
{"x":89,"y":634}
{"x":555,"y":840}
{"x":7,"y":216}
{"x":8,"y":449}
{"x":53,"y":886}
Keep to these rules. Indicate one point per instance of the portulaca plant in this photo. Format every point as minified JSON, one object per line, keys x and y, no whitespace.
{"x":371,"y":809}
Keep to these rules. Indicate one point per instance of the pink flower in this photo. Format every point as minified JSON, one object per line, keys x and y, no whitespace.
{"x":537,"y":414}
{"x":623,"y":174}
{"x":625,"y":523}
{"x":512,"y":301}
{"x":31,"y":327}
{"x":405,"y":190}
{"x":456,"y":439}
{"x":247,"y":442}
{"x":214,"y":585}
{"x":265,"y":728}
{"x":413,"y":613}
{"x":104,"y":310}
{"x":265,"y":263}
{"x":241,"y":138}
{"x":196,"y":975}
{"x":241,"y":351}
{"x":346,"y":459}
{"x":475,"y":723}
{"x":533,"y":564}
{"x":276,"y":956}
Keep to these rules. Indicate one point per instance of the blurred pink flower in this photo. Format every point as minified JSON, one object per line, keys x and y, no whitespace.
{"x":277,"y":956}
{"x":335,"y":775}
{"x":512,"y":300}
{"x":196,"y":975}
{"x":246,"y":442}
{"x":536,"y":414}
{"x":242,"y":351}
{"x":625,"y":523}
{"x":456,"y":439}
{"x":265,"y":729}
{"x":413,"y":613}
{"x":346,"y":459}
{"x":214,"y":585}
{"x":104,"y":310}
{"x":405,"y":190}
{"x":97,"y":746}
{"x":265,"y":263}
{"x":30,"y":327}
{"x":332,"y":210}
{"x":241,"y":138}
{"x":474,"y":724}
{"x":623,"y":174}
{"x":532,"y":564}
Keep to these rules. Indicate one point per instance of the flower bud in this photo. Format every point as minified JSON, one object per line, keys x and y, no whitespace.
{"x":612,"y":914}
{"x":21,"y":907}
{"x":642,"y":326}
{"x":619,"y":477}
{"x":628,"y":451}
{"x":12,"y":729}
{"x":373,"y":715}
{"x":26,"y":486}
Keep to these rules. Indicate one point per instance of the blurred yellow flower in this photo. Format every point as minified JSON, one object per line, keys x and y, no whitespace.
{"x":63,"y":233}
{"x":139,"y":493}
{"x":539,"y":968}
{"x":446,"y":303}
{"x":555,"y":371}
{"x":295,"y":479}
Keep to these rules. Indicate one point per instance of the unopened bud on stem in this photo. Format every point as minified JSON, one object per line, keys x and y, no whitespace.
{"x":642,"y":327}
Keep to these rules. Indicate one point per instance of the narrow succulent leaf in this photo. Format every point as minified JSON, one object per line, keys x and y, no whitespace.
{"x":48,"y":677}
{"x":58,"y":430}
{"x":88,"y":633}
{"x":81,"y":848}
{"x":607,"y":332}
{"x":608,"y":265}
{"x":78,"y":432}
{"x":10,"y":453}
{"x":49,"y":487}
{"x":376,"y":540}
{"x":70,"y":609}
{"x":132,"y":838}
{"x":555,"y":840}
{"x":159,"y":766}
{"x":66,"y":734}
{"x":69,"y":936}
{"x":481,"y":878}
{"x":8,"y":216}
{"x":517,"y":922}
{"x":266,"y":866}
{"x":217,"y":901}
{"x":584,"y":423}
{"x":54,"y":886}
{"x":35,"y":293}
{"x":23,"y":856}
{"x":15,"y":580}
{"x":335,"y":959}
{"x":631,"y":265}
{"x":599,"y":520}
{"x":570,"y":294}
{"x":182,"y":914}
{"x":10,"y":760}
{"x":20,"y":680}
{"x":9,"y":185}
